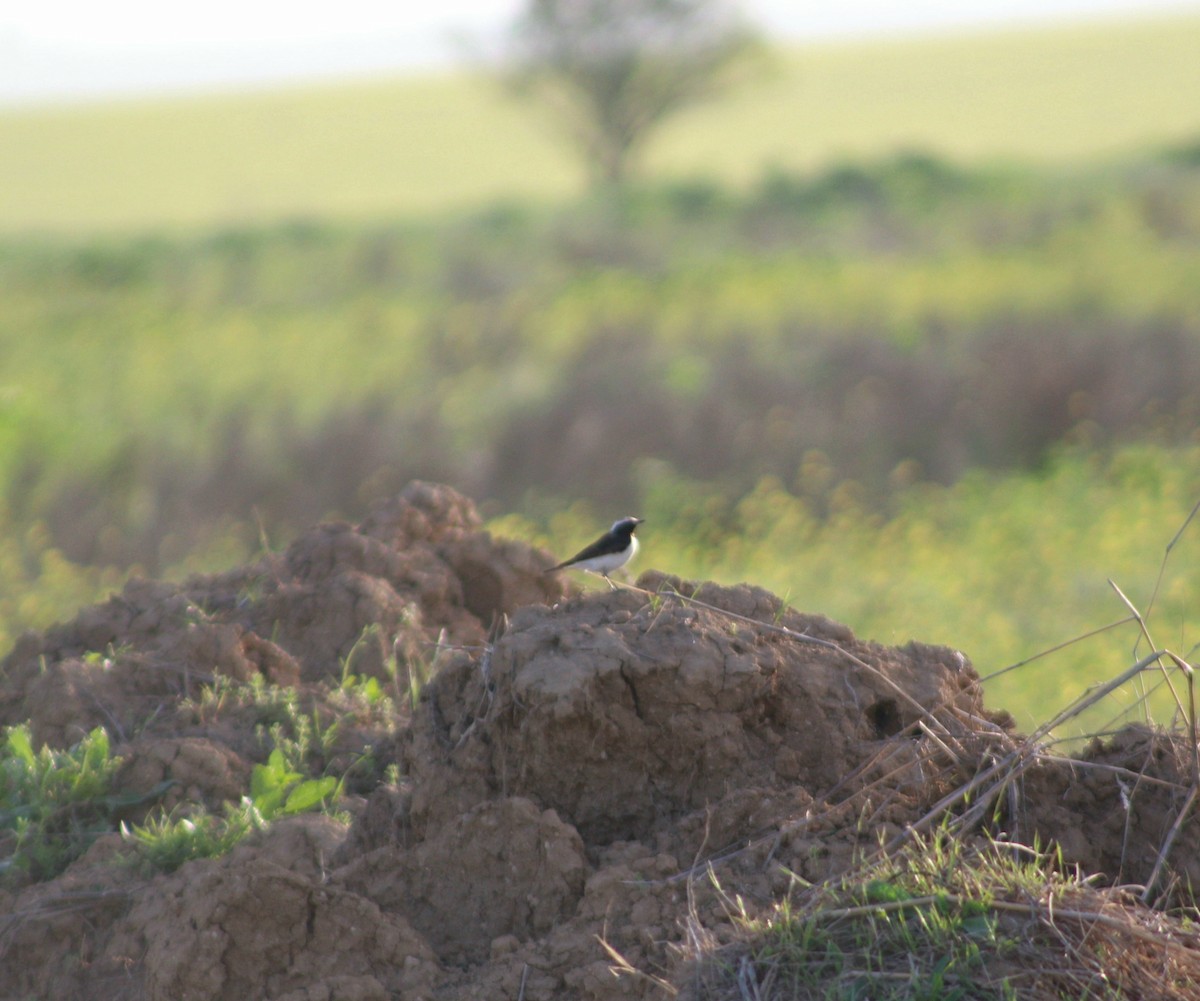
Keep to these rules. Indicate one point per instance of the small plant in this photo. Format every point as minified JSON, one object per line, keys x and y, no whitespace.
{"x":213,"y":698}
{"x":419,"y":672}
{"x":365,"y":689}
{"x":251,"y":592}
{"x":276,"y":790}
{"x":280,"y":720}
{"x":301,"y":739}
{"x":54,"y":804}
{"x":784,"y":604}
{"x":165,"y":843}
{"x":105,"y":658}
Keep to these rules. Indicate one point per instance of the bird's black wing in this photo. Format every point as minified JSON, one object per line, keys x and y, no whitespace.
{"x":603,"y":546}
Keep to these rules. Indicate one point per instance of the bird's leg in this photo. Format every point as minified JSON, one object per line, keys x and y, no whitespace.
{"x":611,"y":585}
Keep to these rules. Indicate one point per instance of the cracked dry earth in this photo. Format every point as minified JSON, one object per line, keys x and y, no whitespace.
{"x":564,"y":776}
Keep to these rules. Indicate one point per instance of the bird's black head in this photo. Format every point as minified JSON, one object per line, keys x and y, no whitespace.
{"x":626,"y":526}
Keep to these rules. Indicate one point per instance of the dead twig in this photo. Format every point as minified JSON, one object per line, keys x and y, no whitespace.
{"x":1145,"y":631}
{"x":1165,"y":849}
{"x":1056,"y":648}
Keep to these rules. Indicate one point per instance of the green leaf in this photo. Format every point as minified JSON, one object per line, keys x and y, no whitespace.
{"x":20,"y":744}
{"x":270,"y":781}
{"x":95,"y":750}
{"x":309,"y":795}
{"x":268,"y":796}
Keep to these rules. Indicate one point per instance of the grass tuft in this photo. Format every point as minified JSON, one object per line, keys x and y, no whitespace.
{"x":943,"y":919}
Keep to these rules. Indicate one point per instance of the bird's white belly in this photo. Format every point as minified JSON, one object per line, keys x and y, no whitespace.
{"x":609,"y":561}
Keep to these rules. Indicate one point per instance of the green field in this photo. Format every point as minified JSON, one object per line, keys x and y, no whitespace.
{"x":392,"y":149}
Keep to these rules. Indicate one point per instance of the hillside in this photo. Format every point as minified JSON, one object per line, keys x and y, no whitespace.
{"x":627,"y":794}
{"x":412,"y":146}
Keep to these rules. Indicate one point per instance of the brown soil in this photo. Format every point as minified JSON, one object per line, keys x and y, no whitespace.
{"x":572,"y":760}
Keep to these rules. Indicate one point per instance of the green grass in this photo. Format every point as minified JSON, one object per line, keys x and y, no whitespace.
{"x":946,"y":920}
{"x":919,"y":925}
{"x":42,"y":585}
{"x":427,"y":145}
{"x":164,"y":843}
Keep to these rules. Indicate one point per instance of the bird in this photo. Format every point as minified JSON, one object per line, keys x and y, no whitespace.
{"x":612,"y":550}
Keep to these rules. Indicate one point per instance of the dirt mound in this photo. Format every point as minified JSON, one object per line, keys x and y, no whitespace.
{"x":625,"y":717}
{"x":1113,"y":811}
{"x":573,"y":760}
{"x":341,"y":598}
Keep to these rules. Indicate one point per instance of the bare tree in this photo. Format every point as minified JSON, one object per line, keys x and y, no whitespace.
{"x":613,"y":70}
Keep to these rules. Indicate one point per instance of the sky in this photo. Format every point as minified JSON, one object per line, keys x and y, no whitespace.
{"x":69,"y":50}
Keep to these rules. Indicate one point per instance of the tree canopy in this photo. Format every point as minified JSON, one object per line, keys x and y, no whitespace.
{"x":613,"y":70}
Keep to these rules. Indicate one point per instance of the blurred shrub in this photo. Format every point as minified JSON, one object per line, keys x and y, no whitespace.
{"x":40,"y":585}
{"x":907,"y":320}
